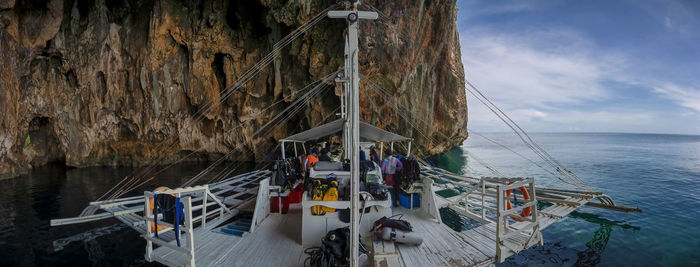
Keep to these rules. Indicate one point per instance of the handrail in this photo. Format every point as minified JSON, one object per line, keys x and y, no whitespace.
{"x":185,"y":195}
{"x":504,"y":232}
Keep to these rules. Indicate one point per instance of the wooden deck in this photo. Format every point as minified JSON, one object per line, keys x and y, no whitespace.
{"x":275,"y":242}
{"x":443,"y":246}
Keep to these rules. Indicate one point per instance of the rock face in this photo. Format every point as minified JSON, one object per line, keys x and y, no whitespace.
{"x":123,"y":82}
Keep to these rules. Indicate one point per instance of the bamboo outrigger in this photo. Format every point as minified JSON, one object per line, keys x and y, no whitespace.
{"x":230,"y":223}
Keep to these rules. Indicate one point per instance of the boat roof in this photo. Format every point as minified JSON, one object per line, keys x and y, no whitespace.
{"x":367,"y":131}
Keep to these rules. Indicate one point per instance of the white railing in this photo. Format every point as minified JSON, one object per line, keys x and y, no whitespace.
{"x":186,"y":196}
{"x":527,"y":225}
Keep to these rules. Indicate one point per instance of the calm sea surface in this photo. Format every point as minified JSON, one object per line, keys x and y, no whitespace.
{"x":657,"y":173}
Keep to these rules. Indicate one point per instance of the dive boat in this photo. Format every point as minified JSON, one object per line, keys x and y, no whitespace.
{"x":340,"y":213}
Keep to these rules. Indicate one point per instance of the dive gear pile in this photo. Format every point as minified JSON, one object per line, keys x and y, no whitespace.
{"x":334,"y":250}
{"x":409,"y":174}
{"x":288,"y":172}
{"x":323,"y":190}
{"x":396,"y":230}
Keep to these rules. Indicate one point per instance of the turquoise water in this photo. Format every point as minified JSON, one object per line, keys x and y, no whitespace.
{"x":657,"y":173}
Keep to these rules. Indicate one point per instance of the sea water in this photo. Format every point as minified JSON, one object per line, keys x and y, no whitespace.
{"x":29,"y":202}
{"x":658,"y":173}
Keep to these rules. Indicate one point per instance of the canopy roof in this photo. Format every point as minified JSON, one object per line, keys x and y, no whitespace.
{"x":367,"y":131}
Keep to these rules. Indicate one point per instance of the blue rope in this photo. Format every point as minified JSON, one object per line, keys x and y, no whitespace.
{"x":178,"y":205}
{"x":155,"y":213}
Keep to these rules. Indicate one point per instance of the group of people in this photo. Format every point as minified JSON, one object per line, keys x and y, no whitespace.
{"x":389,"y":165}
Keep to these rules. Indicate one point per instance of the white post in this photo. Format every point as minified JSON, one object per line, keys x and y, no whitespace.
{"x":354,"y":106}
{"x":500,"y":227}
{"x":296,"y":154}
{"x":204,"y":206}
{"x":483,"y":200}
{"x":147,"y":214}
{"x":381,"y":151}
{"x":392,"y":148}
{"x":408,"y":154}
{"x":190,"y":231}
{"x":283,"y":150}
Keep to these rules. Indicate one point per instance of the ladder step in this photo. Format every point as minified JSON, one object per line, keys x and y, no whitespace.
{"x":237,"y":227}
{"x":238,"y":223}
{"x":232,"y":232}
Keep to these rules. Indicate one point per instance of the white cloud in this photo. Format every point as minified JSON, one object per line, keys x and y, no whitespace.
{"x":521,"y":72}
{"x":686,"y":97}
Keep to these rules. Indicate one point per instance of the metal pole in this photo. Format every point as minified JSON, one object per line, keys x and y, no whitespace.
{"x":353,"y":104}
{"x":408,"y":154}
{"x":381,"y":150}
{"x":296,"y":154}
{"x":283,"y":150}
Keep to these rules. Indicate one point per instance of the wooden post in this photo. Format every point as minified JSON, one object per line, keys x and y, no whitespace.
{"x":500,"y":228}
{"x":190,"y":231}
{"x":148,"y":213}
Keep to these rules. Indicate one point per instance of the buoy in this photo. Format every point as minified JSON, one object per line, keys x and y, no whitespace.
{"x":526,"y":211}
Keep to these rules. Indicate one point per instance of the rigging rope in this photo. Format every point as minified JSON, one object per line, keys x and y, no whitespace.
{"x":117,"y":190}
{"x":546,"y":157}
{"x":385,"y":94}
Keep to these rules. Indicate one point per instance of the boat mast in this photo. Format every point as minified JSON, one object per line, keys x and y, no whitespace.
{"x":353,"y":105}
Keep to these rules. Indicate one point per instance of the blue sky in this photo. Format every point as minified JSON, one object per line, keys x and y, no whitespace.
{"x":584,"y":66}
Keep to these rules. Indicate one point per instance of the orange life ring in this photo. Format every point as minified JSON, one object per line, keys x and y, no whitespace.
{"x":151,"y":204}
{"x":526,"y":211}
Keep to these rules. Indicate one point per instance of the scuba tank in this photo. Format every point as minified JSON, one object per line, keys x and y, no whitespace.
{"x":331,"y":195}
{"x":400,"y":236}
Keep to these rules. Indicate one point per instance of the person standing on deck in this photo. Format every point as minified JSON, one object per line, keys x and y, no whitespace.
{"x":389,"y":167}
{"x":362,"y":155}
{"x":373,"y":156}
{"x":311,"y":159}
{"x":325,"y":155}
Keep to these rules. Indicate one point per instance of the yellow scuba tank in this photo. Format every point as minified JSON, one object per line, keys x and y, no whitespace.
{"x":317,"y":195}
{"x":331,"y":195}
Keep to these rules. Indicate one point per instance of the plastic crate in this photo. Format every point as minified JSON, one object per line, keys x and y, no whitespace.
{"x":274,"y":204}
{"x":405,"y":202}
{"x":295,"y":195}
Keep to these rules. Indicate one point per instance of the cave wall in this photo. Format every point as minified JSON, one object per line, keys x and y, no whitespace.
{"x":120,"y":82}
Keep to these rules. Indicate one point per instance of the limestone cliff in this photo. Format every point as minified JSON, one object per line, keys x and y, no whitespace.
{"x":114,"y":82}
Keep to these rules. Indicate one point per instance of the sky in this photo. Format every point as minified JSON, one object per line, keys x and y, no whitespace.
{"x":584,"y":66}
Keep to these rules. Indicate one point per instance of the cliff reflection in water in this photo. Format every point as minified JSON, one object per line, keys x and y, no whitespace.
{"x":29,"y":202}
